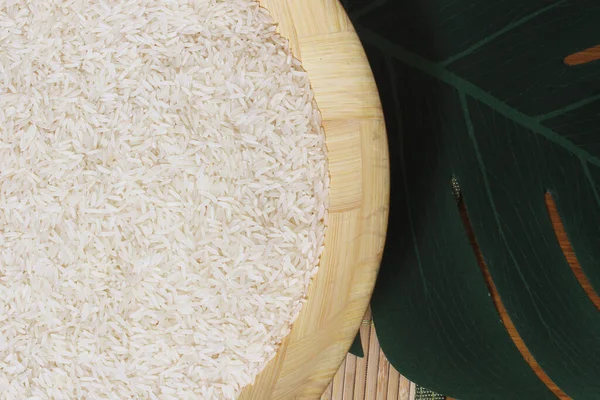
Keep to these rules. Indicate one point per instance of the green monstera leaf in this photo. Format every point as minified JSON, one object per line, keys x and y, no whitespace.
{"x":478,"y":91}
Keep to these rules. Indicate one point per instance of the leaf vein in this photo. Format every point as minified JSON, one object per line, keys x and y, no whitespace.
{"x":507,"y":28}
{"x":439,"y":72}
{"x":569,"y":108}
{"x":590,"y":179}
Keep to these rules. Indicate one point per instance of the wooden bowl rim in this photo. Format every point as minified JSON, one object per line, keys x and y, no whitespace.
{"x":323,"y":38}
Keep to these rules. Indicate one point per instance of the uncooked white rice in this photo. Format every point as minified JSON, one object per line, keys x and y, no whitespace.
{"x":163,"y":197}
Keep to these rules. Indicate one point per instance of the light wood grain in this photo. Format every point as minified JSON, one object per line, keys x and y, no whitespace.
{"x":349,"y":379}
{"x":373,"y":363}
{"x":360,"y":382}
{"x":337,"y":385}
{"x":412,"y":391}
{"x":383,"y":375}
{"x":322,"y":37}
{"x":328,"y":394}
{"x":393,"y":384}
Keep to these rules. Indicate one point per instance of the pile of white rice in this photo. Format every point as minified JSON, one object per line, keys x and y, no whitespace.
{"x":163,"y":197}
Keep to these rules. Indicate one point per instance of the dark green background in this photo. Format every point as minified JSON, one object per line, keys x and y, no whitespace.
{"x":478,"y":90}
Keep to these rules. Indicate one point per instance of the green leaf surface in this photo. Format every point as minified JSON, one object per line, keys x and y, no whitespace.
{"x":479,"y":91}
{"x":356,"y":348}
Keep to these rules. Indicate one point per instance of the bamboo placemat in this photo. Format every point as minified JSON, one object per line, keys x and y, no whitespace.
{"x":371,"y":377}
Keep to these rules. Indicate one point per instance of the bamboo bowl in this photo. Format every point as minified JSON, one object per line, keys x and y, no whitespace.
{"x":323,"y":38}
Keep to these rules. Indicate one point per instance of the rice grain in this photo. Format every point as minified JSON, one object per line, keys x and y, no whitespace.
{"x":163,"y":197}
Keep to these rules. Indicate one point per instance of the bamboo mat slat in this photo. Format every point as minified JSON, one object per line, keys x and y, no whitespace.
{"x":371,"y":377}
{"x":412,"y":392}
{"x":360,"y":373}
{"x":383,"y":375}
{"x":328,"y":394}
{"x":360,"y":379}
{"x":393,"y":384}
{"x":338,"y":381}
{"x":406,"y":389}
{"x":372,"y":364}
{"x":349,"y":377}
